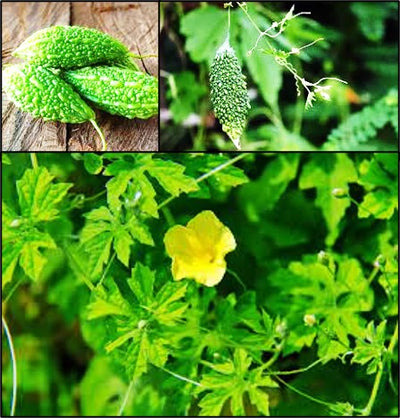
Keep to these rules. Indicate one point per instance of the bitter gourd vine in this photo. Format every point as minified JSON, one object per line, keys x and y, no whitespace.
{"x":118,"y":91}
{"x":229,"y":95}
{"x":73,"y":47}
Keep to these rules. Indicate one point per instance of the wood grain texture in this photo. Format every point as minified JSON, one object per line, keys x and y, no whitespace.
{"x":134,"y":24}
{"x":21,"y":132}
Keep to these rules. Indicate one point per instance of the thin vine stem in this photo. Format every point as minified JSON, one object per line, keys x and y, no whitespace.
{"x":14,"y":365}
{"x":13,"y":289}
{"x":107,"y":268}
{"x":34,"y":160}
{"x":289,"y":372}
{"x":125,"y":400}
{"x":301,"y":393}
{"x":94,"y":197}
{"x":180,"y":377}
{"x":237,"y":278}
{"x":101,"y":135}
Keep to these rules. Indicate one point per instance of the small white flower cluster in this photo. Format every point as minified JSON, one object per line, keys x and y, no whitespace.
{"x":314,"y":90}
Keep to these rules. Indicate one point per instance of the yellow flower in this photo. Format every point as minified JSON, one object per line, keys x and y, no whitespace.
{"x":198,"y":250}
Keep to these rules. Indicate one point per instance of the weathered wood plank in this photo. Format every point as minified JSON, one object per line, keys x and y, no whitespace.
{"x":21,"y":132}
{"x":136,"y":25}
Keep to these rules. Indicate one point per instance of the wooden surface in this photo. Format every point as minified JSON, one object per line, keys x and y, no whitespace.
{"x":135,"y":24}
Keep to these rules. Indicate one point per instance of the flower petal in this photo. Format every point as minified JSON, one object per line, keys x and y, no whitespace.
{"x":208,"y":274}
{"x":182,"y":242}
{"x":214,"y":234}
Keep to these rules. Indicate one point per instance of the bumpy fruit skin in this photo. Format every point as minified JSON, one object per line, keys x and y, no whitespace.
{"x":40,"y":92}
{"x":118,"y":91}
{"x":72,"y":47}
{"x":229,"y":93}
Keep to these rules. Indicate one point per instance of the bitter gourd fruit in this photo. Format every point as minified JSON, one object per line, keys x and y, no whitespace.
{"x":229,"y":95}
{"x":38,"y":91}
{"x":118,"y":91}
{"x":41,"y":92}
{"x":73,"y":47}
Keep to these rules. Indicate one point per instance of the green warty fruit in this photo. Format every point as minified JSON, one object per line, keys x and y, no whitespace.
{"x":229,"y":95}
{"x":73,"y":47}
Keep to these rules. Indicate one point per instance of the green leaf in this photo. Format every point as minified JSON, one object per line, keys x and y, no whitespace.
{"x":165,"y":309}
{"x":260,"y":400}
{"x":92,"y":162}
{"x":122,"y":244}
{"x":228,"y":177}
{"x":202,"y":44}
{"x":372,"y":348}
{"x":116,"y":188}
{"x":104,"y":229}
{"x":139,"y":231}
{"x":171,"y":178}
{"x":38,"y":196}
{"x":326,"y":172}
{"x":342,"y":409}
{"x":379,"y":177}
{"x":231,"y":381}
{"x":138,"y":355}
{"x":379,"y":203}
{"x":273,"y":181}
{"x":185,"y":94}
{"x":23,"y":238}
{"x":101,"y":389}
{"x":31,"y":259}
{"x":21,"y":244}
{"x":141,"y":282}
{"x":106,"y":300}
{"x":212,"y":403}
{"x":5,"y":159}
{"x":371,"y":19}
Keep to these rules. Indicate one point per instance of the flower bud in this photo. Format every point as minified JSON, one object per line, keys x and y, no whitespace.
{"x":340,"y":193}
{"x":323,"y":258}
{"x":309,"y":320}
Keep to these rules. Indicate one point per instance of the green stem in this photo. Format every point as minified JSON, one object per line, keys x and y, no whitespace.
{"x":373,"y":274}
{"x":78,"y":268}
{"x":88,"y":199}
{"x":180,"y":377}
{"x":250,"y":18}
{"x":126,"y":397}
{"x":207,"y":175}
{"x":13,"y":289}
{"x":305,"y":395}
{"x":14,"y":365}
{"x":221,"y":167}
{"x":236,"y":276}
{"x":360,"y":206}
{"x":229,"y":21}
{"x":107,"y":268}
{"x":34,"y":161}
{"x":103,"y":140}
{"x":393,"y":340}
{"x":367,"y":410}
{"x":272,"y":360}
{"x":378,"y":377}
{"x":304,"y":369}
{"x":168,"y":216}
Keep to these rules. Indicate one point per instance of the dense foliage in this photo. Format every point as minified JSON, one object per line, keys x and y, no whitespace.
{"x":304,"y":320}
{"x":356,"y":42}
